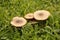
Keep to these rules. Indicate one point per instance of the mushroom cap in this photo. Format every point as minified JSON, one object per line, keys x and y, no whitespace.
{"x":29,"y":16}
{"x":18,"y":21}
{"x":41,"y":14}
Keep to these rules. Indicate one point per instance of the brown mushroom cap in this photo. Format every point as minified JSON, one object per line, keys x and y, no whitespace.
{"x":18,"y":21}
{"x":29,"y":16}
{"x":41,"y":14}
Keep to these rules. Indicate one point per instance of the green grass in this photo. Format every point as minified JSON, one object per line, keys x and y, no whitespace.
{"x":45,"y":30}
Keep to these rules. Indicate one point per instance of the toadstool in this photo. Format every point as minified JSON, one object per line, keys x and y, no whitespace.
{"x":29,"y":16}
{"x":41,"y":14}
{"x":18,"y":21}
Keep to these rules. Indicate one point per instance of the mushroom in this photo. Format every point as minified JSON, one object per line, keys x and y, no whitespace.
{"x":18,"y":21}
{"x":29,"y":16}
{"x":41,"y":14}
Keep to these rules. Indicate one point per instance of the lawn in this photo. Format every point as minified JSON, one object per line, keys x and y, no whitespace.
{"x":44,"y":30}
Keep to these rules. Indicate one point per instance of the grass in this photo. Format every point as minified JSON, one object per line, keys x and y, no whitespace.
{"x":45,"y":30}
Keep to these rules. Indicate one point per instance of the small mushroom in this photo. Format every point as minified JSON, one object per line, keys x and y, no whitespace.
{"x":33,"y":22}
{"x":18,"y":21}
{"x":29,"y":16}
{"x":41,"y":15}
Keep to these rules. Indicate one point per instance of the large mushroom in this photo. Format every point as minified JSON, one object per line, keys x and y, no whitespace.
{"x":41,"y":15}
{"x":29,"y":16}
{"x":18,"y":21}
